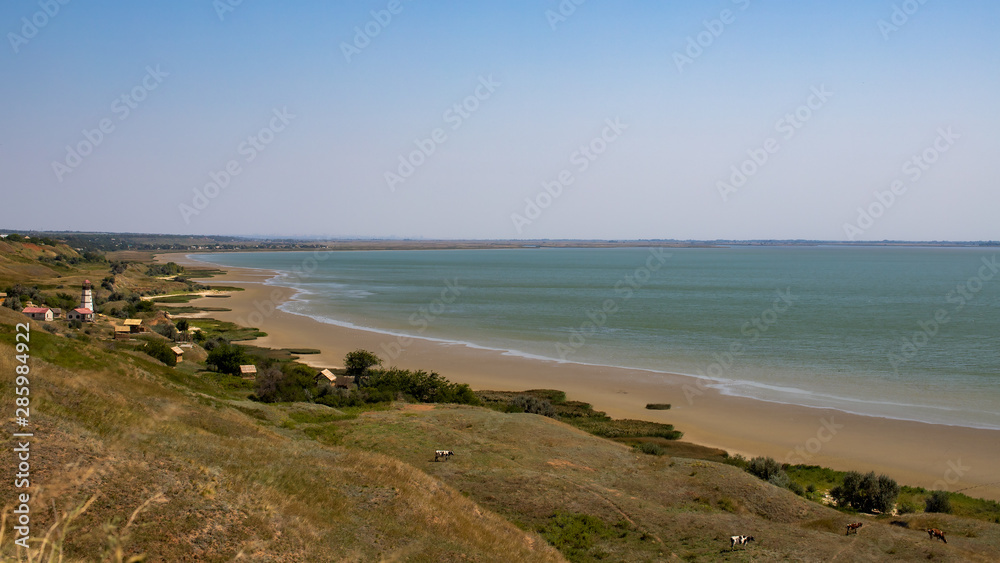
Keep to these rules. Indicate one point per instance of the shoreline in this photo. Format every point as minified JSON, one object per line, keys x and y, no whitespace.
{"x":934,"y":456}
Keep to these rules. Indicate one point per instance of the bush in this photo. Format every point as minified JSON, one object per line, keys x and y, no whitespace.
{"x":420,"y":386}
{"x":161,"y":351}
{"x":906,"y":508}
{"x":764,"y":468}
{"x":867,"y":492}
{"x":296,"y":383}
{"x":796,"y":488}
{"x":658,"y":406}
{"x":939,"y":501}
{"x":76,"y":324}
{"x":534,"y":405}
{"x":166,"y":329}
{"x":651,"y":448}
{"x":227,"y":358}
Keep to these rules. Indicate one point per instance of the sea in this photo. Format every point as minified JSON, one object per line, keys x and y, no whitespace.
{"x":910,"y":333}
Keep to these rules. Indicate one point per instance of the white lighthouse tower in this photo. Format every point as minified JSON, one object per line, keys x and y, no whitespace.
{"x":87,"y":296}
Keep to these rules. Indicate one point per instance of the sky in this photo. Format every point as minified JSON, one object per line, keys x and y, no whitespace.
{"x":720,"y":119}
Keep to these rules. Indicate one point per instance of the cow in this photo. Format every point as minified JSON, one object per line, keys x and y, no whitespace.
{"x":445,"y":454}
{"x":741,"y":540}
{"x":935,"y":533}
{"x":854,"y":527}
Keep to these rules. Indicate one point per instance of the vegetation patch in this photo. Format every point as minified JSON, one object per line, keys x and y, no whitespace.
{"x":658,"y":406}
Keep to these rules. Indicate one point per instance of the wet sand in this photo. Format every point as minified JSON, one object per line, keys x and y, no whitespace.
{"x":918,"y":454}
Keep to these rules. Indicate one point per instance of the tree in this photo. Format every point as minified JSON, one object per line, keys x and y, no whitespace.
{"x":182,"y":325}
{"x":867,"y":492}
{"x":227,"y":358}
{"x":939,"y":501}
{"x":359,"y":362}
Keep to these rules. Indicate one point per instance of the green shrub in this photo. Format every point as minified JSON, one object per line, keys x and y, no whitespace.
{"x":533,"y":405}
{"x":938,"y":501}
{"x":866,"y":492}
{"x":227,"y":358}
{"x":651,"y":448}
{"x":658,"y":406}
{"x":764,"y":468}
{"x":161,"y":351}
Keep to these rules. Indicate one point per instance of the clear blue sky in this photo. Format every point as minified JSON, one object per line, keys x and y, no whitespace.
{"x":353,"y":105}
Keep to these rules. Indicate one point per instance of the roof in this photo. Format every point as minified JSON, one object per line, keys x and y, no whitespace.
{"x":33,"y":310}
{"x":328,"y":374}
{"x":177,"y":350}
{"x":248,"y":369}
{"x":121,"y":329}
{"x":83,"y":311}
{"x":133,"y":322}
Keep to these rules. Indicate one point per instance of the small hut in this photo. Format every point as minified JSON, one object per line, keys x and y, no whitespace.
{"x":248,"y":371}
{"x":180,"y":353}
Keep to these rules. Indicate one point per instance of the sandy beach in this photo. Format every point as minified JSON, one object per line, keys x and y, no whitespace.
{"x":953,"y":458}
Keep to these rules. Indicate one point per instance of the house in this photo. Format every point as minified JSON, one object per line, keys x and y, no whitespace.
{"x":38,"y":313}
{"x":57,"y":313}
{"x":329,"y":375}
{"x":134,"y":325}
{"x":3,"y":297}
{"x":122,"y":333}
{"x":344,"y":382}
{"x":81,"y":314}
{"x":180,"y":353}
{"x":248,"y":371}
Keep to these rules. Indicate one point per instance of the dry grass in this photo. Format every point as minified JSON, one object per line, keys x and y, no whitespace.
{"x":129,"y":461}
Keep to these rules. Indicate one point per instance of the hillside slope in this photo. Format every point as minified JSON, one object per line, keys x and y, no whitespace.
{"x":172,"y":471}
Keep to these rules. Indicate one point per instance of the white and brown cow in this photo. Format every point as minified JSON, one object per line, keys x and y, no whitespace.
{"x":442,"y":454}
{"x":739,"y":540}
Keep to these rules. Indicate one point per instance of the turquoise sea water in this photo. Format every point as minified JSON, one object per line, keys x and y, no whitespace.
{"x":910,"y":333}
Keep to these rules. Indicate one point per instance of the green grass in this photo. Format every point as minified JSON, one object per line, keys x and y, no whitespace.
{"x":224,"y":329}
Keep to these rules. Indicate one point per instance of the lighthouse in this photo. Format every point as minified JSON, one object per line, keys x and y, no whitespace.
{"x":87,"y":296}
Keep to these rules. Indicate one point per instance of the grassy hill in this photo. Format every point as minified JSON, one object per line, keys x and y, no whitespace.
{"x":169,"y":464}
{"x":166,"y":465}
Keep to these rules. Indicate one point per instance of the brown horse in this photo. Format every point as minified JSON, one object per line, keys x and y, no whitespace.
{"x":935,"y":533}
{"x":854,"y":527}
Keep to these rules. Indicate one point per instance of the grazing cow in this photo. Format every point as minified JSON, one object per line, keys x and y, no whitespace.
{"x":741,"y":540}
{"x":445,"y":454}
{"x":935,"y":533}
{"x":854,"y":527}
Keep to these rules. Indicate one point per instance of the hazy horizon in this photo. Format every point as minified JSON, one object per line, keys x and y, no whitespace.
{"x":393,"y":119}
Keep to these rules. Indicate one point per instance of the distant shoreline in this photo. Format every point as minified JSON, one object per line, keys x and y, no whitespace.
{"x":913,"y":452}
